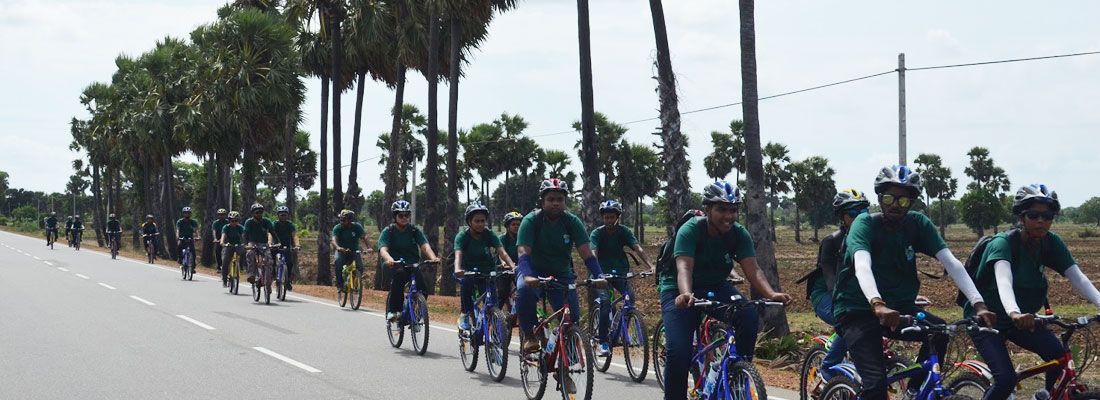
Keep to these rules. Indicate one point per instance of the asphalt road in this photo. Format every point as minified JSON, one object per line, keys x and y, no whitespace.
{"x":78,"y":325}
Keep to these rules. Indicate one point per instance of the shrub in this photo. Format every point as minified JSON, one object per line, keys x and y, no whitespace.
{"x":1088,"y":233}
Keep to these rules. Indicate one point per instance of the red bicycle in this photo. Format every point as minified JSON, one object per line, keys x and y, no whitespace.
{"x":565,"y":352}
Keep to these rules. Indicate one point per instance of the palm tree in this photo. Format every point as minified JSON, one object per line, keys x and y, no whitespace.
{"x":719,"y":163}
{"x":774,"y":318}
{"x":777,"y":177}
{"x":590,"y":157}
{"x":368,"y":54}
{"x":673,"y":143}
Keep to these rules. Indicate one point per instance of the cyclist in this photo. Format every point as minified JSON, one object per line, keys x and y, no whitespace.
{"x":512,"y":221}
{"x":69,"y":230}
{"x":51,"y":227}
{"x":77,"y":228}
{"x":231,"y":234}
{"x":150,"y":228}
{"x":346,"y":237}
{"x":608,"y":241}
{"x":185,"y":229}
{"x":287,"y":234}
{"x":472,"y":249}
{"x":114,"y":229}
{"x":1011,"y":278}
{"x":878,"y":280}
{"x":216,"y":227}
{"x":706,"y":249}
{"x":402,"y":240}
{"x":544,"y":245}
{"x":257,"y":230}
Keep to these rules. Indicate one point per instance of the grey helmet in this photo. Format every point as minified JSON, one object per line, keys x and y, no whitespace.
{"x":849,"y":199}
{"x":611,"y":206}
{"x":722,"y":192}
{"x":282,"y":209}
{"x":900,"y":176}
{"x":553,"y":185}
{"x":474,"y":208}
{"x":400,"y":206}
{"x":1035,"y":193}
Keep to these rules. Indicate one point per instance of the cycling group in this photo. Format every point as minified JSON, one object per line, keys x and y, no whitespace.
{"x":74,"y":230}
{"x":866,"y":287}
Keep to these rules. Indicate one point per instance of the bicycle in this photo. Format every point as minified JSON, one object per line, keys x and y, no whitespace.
{"x":1067,"y":386}
{"x":353,"y":282}
{"x":846,"y":386}
{"x":112,"y":243}
{"x":717,"y":370}
{"x":491,"y":328}
{"x":187,"y":263}
{"x":233,"y":276}
{"x":51,"y":237}
{"x":262,"y":283}
{"x":78,"y":234}
{"x":660,"y":354}
{"x":564,"y":351}
{"x":150,"y":246}
{"x":627,"y":329}
{"x":282,"y":273}
{"x":414,"y":313}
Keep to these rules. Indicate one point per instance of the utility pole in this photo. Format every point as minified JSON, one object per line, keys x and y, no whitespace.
{"x":413,"y":214}
{"x":901,"y":109}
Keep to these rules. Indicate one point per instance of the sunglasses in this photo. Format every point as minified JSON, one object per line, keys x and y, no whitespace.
{"x":889,"y":200}
{"x":404,"y":215}
{"x":855,"y":213}
{"x":1034,"y":215}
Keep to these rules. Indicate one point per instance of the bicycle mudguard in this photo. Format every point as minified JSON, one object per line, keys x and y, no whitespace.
{"x":822,"y":340}
{"x":849,"y":370}
{"x":977,"y":367}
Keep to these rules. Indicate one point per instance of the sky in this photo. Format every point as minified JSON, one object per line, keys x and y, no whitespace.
{"x":1037,"y":118}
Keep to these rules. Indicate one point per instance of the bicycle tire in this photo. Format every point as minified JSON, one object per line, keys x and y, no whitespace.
{"x":467,"y":350}
{"x":395,"y":331}
{"x":743,"y":375}
{"x":660,"y":355}
{"x":266,"y":281}
{"x":148,"y":254}
{"x":235,"y":277}
{"x":1089,"y":395}
{"x":841,"y":387}
{"x":895,"y":364}
{"x":357,"y":292}
{"x":578,"y":350}
{"x":420,"y":324}
{"x":810,"y":381}
{"x":969,"y":383}
{"x":533,"y":371}
{"x":496,"y":345}
{"x":280,"y":284}
{"x":592,"y":331}
{"x":635,"y":339}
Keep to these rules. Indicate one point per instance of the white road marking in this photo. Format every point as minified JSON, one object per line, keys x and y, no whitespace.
{"x":196,"y":322}
{"x":48,"y":263}
{"x":83,"y":276}
{"x":63,"y":269}
{"x":147,"y":302}
{"x":36,"y":258}
{"x":106,"y":286}
{"x":287,"y":360}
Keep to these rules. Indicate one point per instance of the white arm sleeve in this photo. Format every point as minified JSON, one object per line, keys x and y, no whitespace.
{"x":959,"y":275}
{"x":866,"y":278}
{"x":1003,"y":271}
{"x":1083,"y":285}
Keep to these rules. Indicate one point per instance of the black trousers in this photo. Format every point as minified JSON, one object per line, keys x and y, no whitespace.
{"x":863,"y":333}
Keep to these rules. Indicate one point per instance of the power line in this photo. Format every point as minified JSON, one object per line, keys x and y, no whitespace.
{"x":1004,"y":61}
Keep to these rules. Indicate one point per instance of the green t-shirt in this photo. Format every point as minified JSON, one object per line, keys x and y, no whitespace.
{"x":217,"y":226}
{"x":114,"y":226}
{"x":284,"y":231}
{"x":187,"y":227}
{"x":349,"y":237}
{"x":51,"y":222}
{"x":510,"y":247}
{"x":894,"y":263}
{"x":609,"y":248}
{"x":78,"y":225}
{"x":233,"y":234}
{"x":402,"y":244}
{"x":714,"y":264}
{"x":256,"y":231}
{"x":1029,"y":284}
{"x":477,"y":252}
{"x":551,"y":251}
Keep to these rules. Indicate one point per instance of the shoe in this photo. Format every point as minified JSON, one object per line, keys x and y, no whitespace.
{"x":464,"y":322}
{"x":289,"y":287}
{"x":567,"y":385}
{"x":251,"y":279}
{"x":225,"y":284}
{"x":605,"y":349}
{"x":219,"y":270}
{"x":192,"y":270}
{"x":530,"y":343}
{"x":393,"y":316}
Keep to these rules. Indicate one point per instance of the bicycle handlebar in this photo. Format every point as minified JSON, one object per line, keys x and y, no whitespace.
{"x":711,"y":304}
{"x":918,"y":324}
{"x":1078,"y":323}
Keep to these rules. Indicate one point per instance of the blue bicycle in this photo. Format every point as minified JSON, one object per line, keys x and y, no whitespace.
{"x":414,"y":313}
{"x":491,"y":327}
{"x":846,"y":384}
{"x":282,"y":273}
{"x":187,"y":262}
{"x":626,"y":327}
{"x":717,"y":370}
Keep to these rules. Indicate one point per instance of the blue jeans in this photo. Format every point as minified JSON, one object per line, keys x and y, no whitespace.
{"x":527,"y":300}
{"x":603,"y":296}
{"x":992,"y":348}
{"x":839,"y":348}
{"x":680,"y":327}
{"x":466,"y":292}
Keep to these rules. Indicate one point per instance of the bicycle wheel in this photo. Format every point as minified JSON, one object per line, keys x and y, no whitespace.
{"x":1090,"y":395}
{"x":235,"y":277}
{"x":149,"y":254}
{"x":395,"y":331}
{"x":592,"y":332}
{"x":496,"y":345}
{"x":267,"y":285}
{"x":344,"y":291}
{"x":810,"y":382}
{"x":183,"y":270}
{"x":419,"y":324}
{"x":895,"y":364}
{"x":467,"y":350}
{"x":356,"y":291}
{"x":743,"y":378}
{"x":533,"y":371}
{"x":659,"y":353}
{"x":635,"y":346}
{"x":575,"y":369}
{"x":841,"y":387}
{"x":969,"y":384}
{"x":190,"y":262}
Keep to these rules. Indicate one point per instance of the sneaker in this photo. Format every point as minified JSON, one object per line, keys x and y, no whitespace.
{"x":289,"y":287}
{"x":605,"y":349}
{"x":393,"y":316}
{"x":219,"y":270}
{"x":530,"y":343}
{"x":464,"y":322}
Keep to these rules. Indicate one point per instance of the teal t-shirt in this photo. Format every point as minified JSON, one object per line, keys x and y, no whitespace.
{"x":477,"y":252}
{"x":217,"y":226}
{"x":402,"y":244}
{"x":350,"y":237}
{"x":609,"y":248}
{"x":1029,"y":284}
{"x":894,"y":264}
{"x":187,"y":228}
{"x":551,"y":251}
{"x":256,"y":230}
{"x":285,"y":232}
{"x":510,"y":247}
{"x":714,"y":263}
{"x":233,"y":234}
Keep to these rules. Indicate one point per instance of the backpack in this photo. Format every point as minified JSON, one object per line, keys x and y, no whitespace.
{"x":666,"y":260}
{"x":974,"y":259}
{"x":620,"y":234}
{"x":819,"y":273}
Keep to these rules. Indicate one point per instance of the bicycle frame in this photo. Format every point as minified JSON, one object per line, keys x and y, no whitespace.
{"x":352,"y":271}
{"x":703,"y":358}
{"x":483,"y":304}
{"x":407,"y":307}
{"x":932,"y":387}
{"x":564,"y":315}
{"x":1067,"y":380}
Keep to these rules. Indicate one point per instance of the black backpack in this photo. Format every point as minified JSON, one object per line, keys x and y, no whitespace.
{"x":620,"y":234}
{"x":666,"y":261}
{"x":974,"y":260}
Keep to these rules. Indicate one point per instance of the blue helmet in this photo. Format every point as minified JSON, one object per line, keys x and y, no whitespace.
{"x":611,"y":206}
{"x":1035,"y":193}
{"x":900,"y":176}
{"x":400,"y":206}
{"x":474,"y":208}
{"x":722,"y":192}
